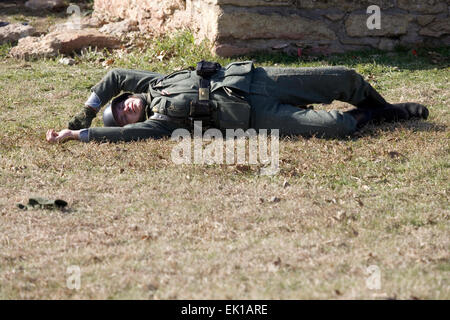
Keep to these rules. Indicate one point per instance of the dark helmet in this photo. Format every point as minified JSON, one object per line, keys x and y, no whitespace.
{"x":109,"y":115}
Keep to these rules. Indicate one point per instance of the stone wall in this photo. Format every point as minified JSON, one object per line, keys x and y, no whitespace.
{"x":313,"y":26}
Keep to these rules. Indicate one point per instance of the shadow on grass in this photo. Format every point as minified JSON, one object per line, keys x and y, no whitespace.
{"x":413,"y":126}
{"x":402,"y":58}
{"x":374,"y":131}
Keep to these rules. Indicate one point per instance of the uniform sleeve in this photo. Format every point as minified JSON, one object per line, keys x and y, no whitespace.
{"x":118,"y":80}
{"x":133,"y":132}
{"x":93,"y":101}
{"x":84,"y":135}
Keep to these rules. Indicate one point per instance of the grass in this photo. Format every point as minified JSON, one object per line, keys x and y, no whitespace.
{"x":141,"y":227}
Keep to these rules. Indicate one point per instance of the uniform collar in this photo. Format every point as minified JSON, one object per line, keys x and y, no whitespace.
{"x":146,"y":97}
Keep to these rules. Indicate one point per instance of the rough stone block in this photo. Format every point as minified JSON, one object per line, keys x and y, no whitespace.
{"x":252,"y":3}
{"x":151,"y":15}
{"x":119,"y":29}
{"x":391,"y":25}
{"x":241,"y":26}
{"x":424,"y":20}
{"x":248,"y":25}
{"x":229,"y":50}
{"x":437,"y":28}
{"x":335,"y":16}
{"x":15,"y":31}
{"x":423,"y":6}
{"x":63,"y":42}
{"x":348,"y":5}
{"x":387,"y":44}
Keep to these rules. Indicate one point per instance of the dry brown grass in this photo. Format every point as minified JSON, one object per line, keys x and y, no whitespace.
{"x":142,"y":227}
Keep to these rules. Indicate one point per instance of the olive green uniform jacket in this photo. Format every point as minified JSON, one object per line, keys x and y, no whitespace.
{"x":241,"y":96}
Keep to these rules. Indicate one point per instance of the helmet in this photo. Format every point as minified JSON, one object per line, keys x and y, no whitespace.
{"x":109,"y":119}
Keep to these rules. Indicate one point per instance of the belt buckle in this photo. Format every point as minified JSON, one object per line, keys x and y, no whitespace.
{"x":203,"y":94}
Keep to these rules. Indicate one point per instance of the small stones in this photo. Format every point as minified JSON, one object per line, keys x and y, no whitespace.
{"x":67,"y":61}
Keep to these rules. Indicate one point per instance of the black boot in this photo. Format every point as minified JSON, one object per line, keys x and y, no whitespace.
{"x":373,"y":100}
{"x":391,"y":112}
{"x":361,"y":116}
{"x":384,"y":111}
{"x":388,"y":113}
{"x":415,"y":110}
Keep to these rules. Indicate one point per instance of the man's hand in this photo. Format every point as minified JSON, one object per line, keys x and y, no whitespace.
{"x":62,"y":136}
{"x":83,"y":119}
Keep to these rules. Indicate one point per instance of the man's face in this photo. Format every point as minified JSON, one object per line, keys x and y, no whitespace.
{"x":129,"y":111}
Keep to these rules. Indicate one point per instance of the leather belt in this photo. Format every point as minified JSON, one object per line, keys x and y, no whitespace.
{"x":159,"y":116}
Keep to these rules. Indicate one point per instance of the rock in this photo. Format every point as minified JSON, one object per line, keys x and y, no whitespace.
{"x":255,"y":3}
{"x":348,"y":5}
{"x":119,"y":29}
{"x":84,"y":23}
{"x":32,"y":47}
{"x":14,"y":32}
{"x":391,"y":25}
{"x":237,"y":27}
{"x":67,"y":61}
{"x":154,"y":16}
{"x":335,"y":16}
{"x":228,"y":50}
{"x":242,"y":24}
{"x":437,"y":28}
{"x":367,"y":41}
{"x":387,"y":44}
{"x":422,"y":6}
{"x":64,"y":42}
{"x":45,"y":4}
{"x":424,"y":20}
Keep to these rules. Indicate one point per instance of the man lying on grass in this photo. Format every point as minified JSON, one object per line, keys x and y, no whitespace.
{"x":236,"y":96}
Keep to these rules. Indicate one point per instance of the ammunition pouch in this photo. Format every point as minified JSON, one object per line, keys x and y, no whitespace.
{"x":206,"y":69}
{"x":201,"y":110}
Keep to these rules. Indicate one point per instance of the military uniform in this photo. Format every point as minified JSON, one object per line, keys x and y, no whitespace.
{"x":241,"y":96}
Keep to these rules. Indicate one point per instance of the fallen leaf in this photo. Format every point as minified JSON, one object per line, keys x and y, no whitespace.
{"x":147,"y":237}
{"x":161,"y":56}
{"x":277,"y":262}
{"x":107,"y":63}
